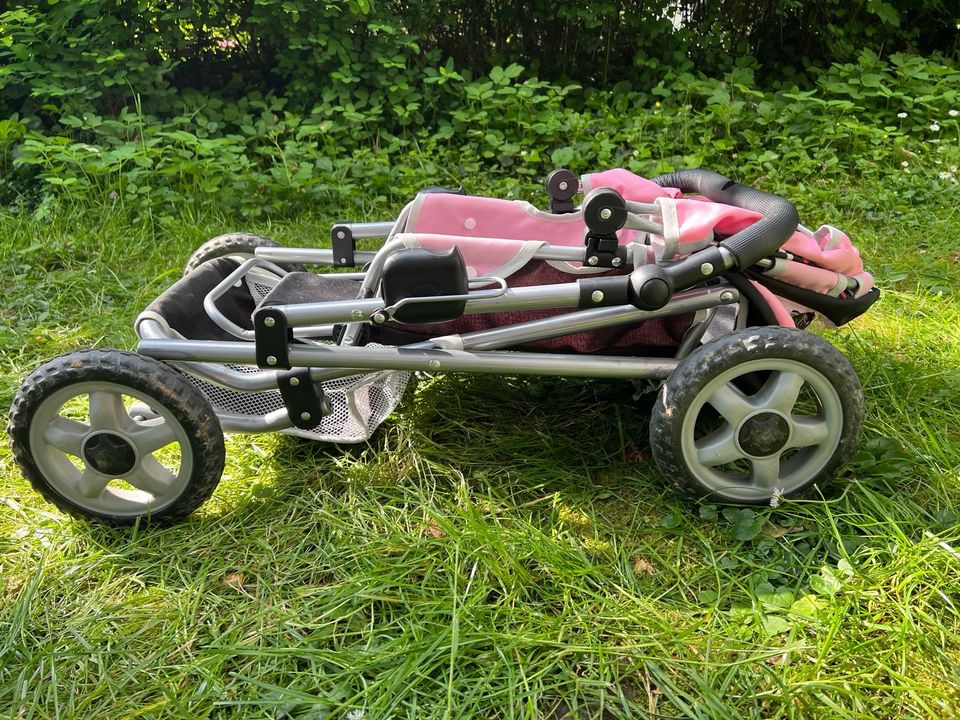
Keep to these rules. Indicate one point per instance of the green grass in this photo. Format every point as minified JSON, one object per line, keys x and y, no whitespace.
{"x":504,"y":548}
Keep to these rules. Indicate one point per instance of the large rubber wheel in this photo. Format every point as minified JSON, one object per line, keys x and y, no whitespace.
{"x":761,"y":413}
{"x":237,"y":245}
{"x":116,"y":437}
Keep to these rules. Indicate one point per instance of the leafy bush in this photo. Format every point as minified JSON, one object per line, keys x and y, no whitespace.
{"x":878,"y":118}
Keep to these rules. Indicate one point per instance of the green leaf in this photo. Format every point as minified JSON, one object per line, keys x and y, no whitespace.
{"x":825,"y":583}
{"x":775,"y":625}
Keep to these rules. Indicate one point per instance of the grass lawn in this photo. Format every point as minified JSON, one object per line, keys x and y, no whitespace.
{"x":504,"y":548}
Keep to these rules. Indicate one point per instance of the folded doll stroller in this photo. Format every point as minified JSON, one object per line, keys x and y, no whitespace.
{"x":690,"y":283}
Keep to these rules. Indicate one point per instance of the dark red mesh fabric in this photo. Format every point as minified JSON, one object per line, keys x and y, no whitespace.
{"x":642,"y":337}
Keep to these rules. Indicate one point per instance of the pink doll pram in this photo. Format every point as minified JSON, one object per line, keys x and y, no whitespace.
{"x":690,"y":283}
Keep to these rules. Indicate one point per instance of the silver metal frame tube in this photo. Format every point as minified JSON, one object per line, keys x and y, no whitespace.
{"x":495,"y":362}
{"x":318,"y":256}
{"x":354,"y":311}
{"x":591,"y":319}
{"x":369,"y":229}
{"x":148,"y":329}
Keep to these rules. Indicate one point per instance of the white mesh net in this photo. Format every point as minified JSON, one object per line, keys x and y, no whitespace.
{"x":359,"y":403}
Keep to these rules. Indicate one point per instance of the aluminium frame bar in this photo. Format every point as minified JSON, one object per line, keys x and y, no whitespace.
{"x":384,"y":358}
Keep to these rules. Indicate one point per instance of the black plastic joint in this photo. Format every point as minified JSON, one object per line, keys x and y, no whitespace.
{"x":696,"y":268}
{"x":305,"y":401}
{"x":344,"y":246}
{"x":604,"y":251}
{"x":603,"y":291}
{"x":272,"y":338}
{"x":649,"y":287}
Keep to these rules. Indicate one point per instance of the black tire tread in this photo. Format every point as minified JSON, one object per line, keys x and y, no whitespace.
{"x":696,"y":369}
{"x":139,"y":372}
{"x":230,"y":243}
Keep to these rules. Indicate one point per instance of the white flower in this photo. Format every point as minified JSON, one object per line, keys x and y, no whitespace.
{"x":776,"y":498}
{"x":905,"y":163}
{"x":953,"y":113}
{"x":901,"y":115}
{"x":355,"y":715}
{"x":934,"y":127}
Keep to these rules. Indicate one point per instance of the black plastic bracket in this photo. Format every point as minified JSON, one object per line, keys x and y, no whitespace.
{"x":604,"y":251}
{"x":344,"y":246}
{"x":304,"y":400}
{"x":272,"y":338}
{"x":604,"y":291}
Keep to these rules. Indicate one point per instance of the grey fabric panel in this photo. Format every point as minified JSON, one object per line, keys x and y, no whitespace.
{"x":181,"y":305}
{"x":305,"y":287}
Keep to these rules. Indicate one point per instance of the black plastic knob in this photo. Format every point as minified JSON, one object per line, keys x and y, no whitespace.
{"x":604,"y":211}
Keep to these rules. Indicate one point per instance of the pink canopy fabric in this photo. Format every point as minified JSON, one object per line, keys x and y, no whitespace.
{"x":499,"y":237}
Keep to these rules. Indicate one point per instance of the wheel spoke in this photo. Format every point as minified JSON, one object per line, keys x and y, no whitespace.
{"x":150,"y":476}
{"x":151,"y":437}
{"x":91,"y":484}
{"x":66,"y":435}
{"x":718,"y":448}
{"x":765,"y":471}
{"x":730,"y":403}
{"x":107,"y":411}
{"x":808,"y":431}
{"x":781,"y":391}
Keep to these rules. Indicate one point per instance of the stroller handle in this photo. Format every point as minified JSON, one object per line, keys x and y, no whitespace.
{"x":753,"y":243}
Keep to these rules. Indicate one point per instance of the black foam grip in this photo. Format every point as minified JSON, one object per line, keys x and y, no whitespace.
{"x":757,"y":241}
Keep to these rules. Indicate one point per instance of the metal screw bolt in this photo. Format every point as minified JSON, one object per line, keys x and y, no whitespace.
{"x":271,"y":360}
{"x":341,"y":234}
{"x":726,"y":296}
{"x":593,"y":260}
{"x":357,"y":314}
{"x":596,"y":295}
{"x":706,"y":269}
{"x":606,"y":214}
{"x":269,"y":321}
{"x":294,"y":382}
{"x":616,"y":262}
{"x":343,"y":261}
{"x":434,"y":364}
{"x":379,"y":318}
{"x":563,"y":185}
{"x":304,"y":416}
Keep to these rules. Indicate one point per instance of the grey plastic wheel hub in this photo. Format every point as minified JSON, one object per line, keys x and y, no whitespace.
{"x":763,"y":434}
{"x":109,"y":454}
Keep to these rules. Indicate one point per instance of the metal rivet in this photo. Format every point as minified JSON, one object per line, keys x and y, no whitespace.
{"x":269,"y":321}
{"x":434,"y":364}
{"x":706,"y":269}
{"x":596,"y":295}
{"x":563,"y":185}
{"x":304,"y":416}
{"x":617,"y":262}
{"x":343,"y":261}
{"x":357,"y":314}
{"x":294,"y":382}
{"x":379,"y":318}
{"x":341,"y":235}
{"x":593,"y":260}
{"x":726,"y":296}
{"x":271,"y":360}
{"x":606,"y":214}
